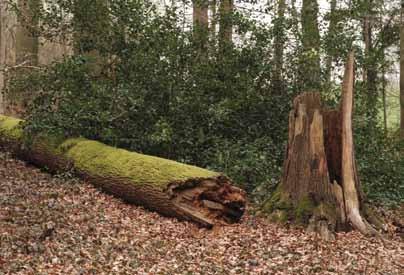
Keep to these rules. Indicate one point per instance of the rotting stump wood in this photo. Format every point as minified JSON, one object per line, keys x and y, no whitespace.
{"x":320,"y":186}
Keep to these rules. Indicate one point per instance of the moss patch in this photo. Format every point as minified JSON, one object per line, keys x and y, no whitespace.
{"x":10,"y":128}
{"x":105,"y":161}
{"x":102,"y":160}
{"x":304,"y":210}
{"x":278,"y":207}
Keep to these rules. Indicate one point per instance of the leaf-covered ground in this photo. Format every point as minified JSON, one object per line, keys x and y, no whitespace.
{"x":50,"y":225}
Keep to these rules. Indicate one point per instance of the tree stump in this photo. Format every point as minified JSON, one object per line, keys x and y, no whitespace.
{"x":320,"y":186}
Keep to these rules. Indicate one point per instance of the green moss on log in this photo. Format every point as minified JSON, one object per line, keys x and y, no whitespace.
{"x":166,"y":186}
{"x":106,"y":161}
{"x":10,"y":128}
{"x":99,"y":159}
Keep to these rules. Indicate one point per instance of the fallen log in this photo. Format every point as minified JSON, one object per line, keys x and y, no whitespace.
{"x":167,"y":187}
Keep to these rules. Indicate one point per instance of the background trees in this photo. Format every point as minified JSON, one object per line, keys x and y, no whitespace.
{"x":211,"y":82}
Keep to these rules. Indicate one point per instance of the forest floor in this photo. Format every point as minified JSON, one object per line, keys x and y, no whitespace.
{"x":54,"y":225}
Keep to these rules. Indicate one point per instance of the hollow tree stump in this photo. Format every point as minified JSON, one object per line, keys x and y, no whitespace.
{"x":320,"y":186}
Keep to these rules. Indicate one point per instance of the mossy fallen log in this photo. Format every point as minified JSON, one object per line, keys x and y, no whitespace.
{"x":168,"y":187}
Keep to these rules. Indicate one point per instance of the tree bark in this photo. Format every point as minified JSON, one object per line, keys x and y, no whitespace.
{"x":310,"y":72}
{"x":402,"y":72}
{"x":332,"y":28}
{"x":167,"y":187}
{"x":225,"y":24}
{"x":320,"y":186}
{"x":201,"y":24}
{"x":370,"y":71}
{"x":279,"y":44}
{"x":213,"y":16}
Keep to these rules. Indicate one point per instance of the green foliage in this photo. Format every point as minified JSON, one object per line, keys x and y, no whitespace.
{"x":380,"y":164}
{"x":141,"y":80}
{"x":149,"y":88}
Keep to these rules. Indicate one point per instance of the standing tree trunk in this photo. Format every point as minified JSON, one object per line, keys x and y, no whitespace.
{"x":201,"y":24}
{"x":213,"y":15}
{"x":225,"y":23}
{"x":370,"y":71}
{"x":402,"y":72}
{"x":332,"y":29}
{"x":279,"y":43}
{"x":2,"y":63}
{"x":320,"y":185}
{"x":384,"y":96}
{"x":310,"y":72}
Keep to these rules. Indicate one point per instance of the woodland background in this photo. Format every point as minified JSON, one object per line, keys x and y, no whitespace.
{"x":211,"y":83}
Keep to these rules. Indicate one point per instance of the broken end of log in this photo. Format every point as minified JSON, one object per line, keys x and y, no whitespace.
{"x":208,"y":202}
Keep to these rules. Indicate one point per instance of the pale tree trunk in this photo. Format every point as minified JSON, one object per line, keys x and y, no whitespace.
{"x":279,"y":43}
{"x":226,"y":26}
{"x":26,"y":43}
{"x":350,"y":182}
{"x":8,"y":23}
{"x":384,"y":82}
{"x":320,"y":186}
{"x":213,"y":15}
{"x":18,"y":48}
{"x":201,"y":23}
{"x":402,"y":72}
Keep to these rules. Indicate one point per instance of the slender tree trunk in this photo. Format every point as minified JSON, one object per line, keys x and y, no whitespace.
{"x":384,"y":81}
{"x":370,"y":71}
{"x":213,"y":16}
{"x":8,"y":23}
{"x":201,"y":24}
{"x":226,"y":26}
{"x":26,"y":43}
{"x":18,"y":48}
{"x":279,"y":42}
{"x":2,"y":104}
{"x":310,"y":71}
{"x":331,"y":33}
{"x":402,"y":72}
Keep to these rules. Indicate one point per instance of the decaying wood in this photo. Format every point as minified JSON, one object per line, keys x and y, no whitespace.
{"x":350,"y":182}
{"x":320,"y":186}
{"x":167,"y":187}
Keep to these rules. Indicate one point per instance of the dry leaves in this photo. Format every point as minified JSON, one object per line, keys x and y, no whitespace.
{"x":50,"y":225}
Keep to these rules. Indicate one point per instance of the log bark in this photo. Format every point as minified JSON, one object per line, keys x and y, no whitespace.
{"x":320,"y":185}
{"x":167,"y":187}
